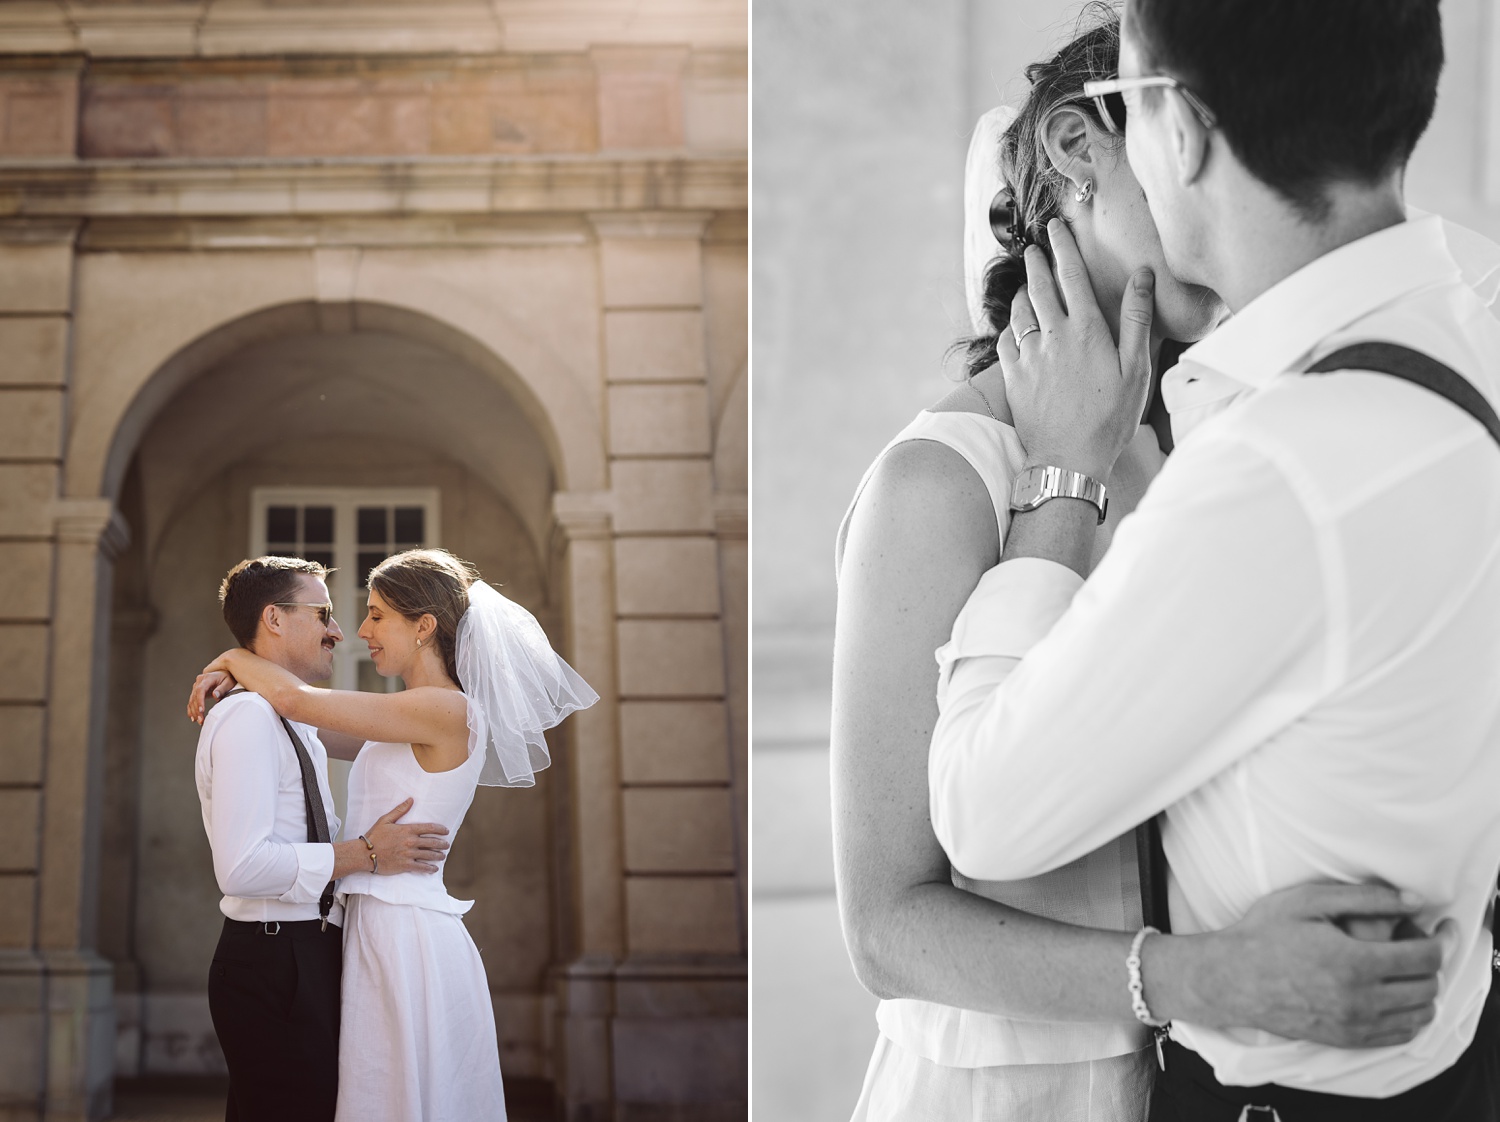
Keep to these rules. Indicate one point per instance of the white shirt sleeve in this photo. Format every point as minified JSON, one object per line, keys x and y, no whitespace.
{"x":248,"y":862}
{"x":1072,"y":711}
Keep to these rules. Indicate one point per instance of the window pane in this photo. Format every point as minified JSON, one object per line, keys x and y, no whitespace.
{"x":409,"y":526}
{"x":367,"y":561}
{"x":317,"y":525}
{"x":372,"y":525}
{"x":321,"y":556}
{"x":281,"y":524}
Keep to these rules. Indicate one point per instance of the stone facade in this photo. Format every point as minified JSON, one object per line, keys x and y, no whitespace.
{"x":495,"y":251}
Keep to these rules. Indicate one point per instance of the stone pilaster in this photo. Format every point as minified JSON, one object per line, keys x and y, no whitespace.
{"x":56,"y":992}
{"x":678,"y":1027}
{"x":591,"y":918}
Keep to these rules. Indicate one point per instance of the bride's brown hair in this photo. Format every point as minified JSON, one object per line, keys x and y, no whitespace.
{"x":1036,"y":185}
{"x":428,"y":582}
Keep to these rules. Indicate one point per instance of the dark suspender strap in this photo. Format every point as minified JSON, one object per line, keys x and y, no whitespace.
{"x":1423,"y":370}
{"x":317,"y":816}
{"x":1152,"y":862}
{"x":1381,"y":358}
{"x":1414,"y":366}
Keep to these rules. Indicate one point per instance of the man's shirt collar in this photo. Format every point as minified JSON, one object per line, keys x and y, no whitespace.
{"x":1280,"y":328}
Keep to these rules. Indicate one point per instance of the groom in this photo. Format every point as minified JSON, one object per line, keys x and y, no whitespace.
{"x":273,"y":989}
{"x":1293,"y":646}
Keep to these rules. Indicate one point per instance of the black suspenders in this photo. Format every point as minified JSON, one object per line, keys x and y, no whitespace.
{"x":1382,"y":358}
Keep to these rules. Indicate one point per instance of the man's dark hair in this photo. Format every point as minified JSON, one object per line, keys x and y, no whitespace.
{"x":1306,"y":92}
{"x":251,"y":585}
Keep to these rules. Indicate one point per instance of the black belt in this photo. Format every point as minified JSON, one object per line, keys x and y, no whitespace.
{"x":292,"y":928}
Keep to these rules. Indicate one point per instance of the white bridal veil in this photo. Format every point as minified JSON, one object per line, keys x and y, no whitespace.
{"x":517,"y":687}
{"x":981,"y":182}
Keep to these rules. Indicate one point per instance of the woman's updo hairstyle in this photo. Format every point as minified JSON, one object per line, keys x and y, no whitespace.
{"x":1037,"y":186}
{"x":428,"y":581}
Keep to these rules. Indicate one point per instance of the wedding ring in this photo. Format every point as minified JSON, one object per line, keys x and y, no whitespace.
{"x":1030,"y":328}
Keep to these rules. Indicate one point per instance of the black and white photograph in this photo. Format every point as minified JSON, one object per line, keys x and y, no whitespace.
{"x":1125,"y":560}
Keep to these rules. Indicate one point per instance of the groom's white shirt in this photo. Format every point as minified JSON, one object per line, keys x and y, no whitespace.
{"x":1292,"y":646}
{"x":250,"y":788}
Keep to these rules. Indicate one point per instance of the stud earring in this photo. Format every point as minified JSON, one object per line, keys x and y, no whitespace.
{"x":1085,"y":189}
{"x":419,"y":642}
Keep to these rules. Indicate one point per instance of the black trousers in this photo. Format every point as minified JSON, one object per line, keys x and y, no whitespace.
{"x":275,"y":1005}
{"x":1469,"y":1091}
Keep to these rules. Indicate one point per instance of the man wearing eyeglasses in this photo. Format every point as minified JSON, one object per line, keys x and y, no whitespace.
{"x":273,"y":988}
{"x":1292,"y":650}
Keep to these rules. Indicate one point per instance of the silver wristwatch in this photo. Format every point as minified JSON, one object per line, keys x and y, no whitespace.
{"x":1036,"y":485}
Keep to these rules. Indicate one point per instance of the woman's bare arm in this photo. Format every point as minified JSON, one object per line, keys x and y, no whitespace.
{"x":217,"y":683}
{"x":922,"y":534}
{"x":426,"y":715}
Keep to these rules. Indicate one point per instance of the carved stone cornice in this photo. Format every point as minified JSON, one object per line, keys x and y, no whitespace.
{"x":651,"y":224}
{"x":93,"y":522}
{"x":211,"y":28}
{"x":732,"y":516}
{"x":584,"y":515}
{"x":662,"y":185}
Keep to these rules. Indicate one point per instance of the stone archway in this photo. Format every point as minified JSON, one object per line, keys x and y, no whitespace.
{"x":289,"y":395}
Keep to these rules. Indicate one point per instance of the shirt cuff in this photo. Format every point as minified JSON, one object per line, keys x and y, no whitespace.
{"x":314,"y":871}
{"x":1012,"y":608}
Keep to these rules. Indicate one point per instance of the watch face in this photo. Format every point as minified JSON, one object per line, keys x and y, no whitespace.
{"x":1027,"y":491}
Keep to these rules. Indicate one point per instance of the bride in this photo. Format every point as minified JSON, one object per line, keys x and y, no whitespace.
{"x":482,"y":683}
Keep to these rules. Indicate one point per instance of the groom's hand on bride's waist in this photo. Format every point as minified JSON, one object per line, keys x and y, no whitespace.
{"x":1338,"y":964}
{"x":391,"y":846}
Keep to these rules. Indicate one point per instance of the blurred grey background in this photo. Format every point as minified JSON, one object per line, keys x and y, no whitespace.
{"x":862,"y":112}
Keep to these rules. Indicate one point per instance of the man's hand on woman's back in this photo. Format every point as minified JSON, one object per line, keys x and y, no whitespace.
{"x":1338,"y":964}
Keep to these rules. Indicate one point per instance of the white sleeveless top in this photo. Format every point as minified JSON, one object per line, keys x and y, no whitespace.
{"x":1101,"y":889}
{"x":383,"y":776}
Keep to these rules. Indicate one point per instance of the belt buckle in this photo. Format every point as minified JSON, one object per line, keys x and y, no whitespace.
{"x":270,"y":927}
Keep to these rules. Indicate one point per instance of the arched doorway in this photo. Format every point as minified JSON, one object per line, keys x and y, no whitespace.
{"x":296,"y":408}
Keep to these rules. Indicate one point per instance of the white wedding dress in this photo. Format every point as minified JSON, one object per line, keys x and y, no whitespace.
{"x":417,"y":1041}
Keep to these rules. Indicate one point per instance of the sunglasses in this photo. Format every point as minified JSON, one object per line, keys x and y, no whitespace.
{"x":325,"y":611}
{"x":1108,"y":98}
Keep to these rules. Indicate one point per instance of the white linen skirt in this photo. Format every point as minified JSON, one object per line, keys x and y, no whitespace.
{"x":417,"y":1034}
{"x":901,"y":1085}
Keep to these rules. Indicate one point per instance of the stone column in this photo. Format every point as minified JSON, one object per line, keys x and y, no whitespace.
{"x":55,"y":1001}
{"x":593,"y":939}
{"x":80,"y":1018}
{"x":678,"y":1027}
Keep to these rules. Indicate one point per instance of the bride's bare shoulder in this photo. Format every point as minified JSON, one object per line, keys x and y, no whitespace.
{"x":983,"y":394}
{"x":924,"y":497}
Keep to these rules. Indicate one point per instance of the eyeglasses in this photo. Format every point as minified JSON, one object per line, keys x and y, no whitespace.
{"x":1109,"y":100}
{"x":325,"y":611}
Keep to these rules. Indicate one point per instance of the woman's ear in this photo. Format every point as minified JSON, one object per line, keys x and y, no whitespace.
{"x":427,"y":627}
{"x":1069,"y":138}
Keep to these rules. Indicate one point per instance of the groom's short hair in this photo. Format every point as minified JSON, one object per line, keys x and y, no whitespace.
{"x":1306,"y":92}
{"x":253,"y":584}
